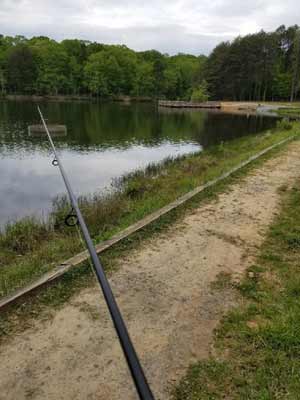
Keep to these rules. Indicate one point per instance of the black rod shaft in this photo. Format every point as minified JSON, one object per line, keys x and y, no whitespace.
{"x":131,"y":357}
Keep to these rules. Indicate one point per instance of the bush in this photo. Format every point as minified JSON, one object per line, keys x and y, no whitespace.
{"x":284,"y":124}
{"x":200,"y":93}
{"x":24,"y":236}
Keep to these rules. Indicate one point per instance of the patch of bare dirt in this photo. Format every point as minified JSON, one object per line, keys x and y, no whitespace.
{"x":164,"y":291}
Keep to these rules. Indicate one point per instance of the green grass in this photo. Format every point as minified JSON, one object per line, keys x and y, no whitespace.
{"x":30,"y":248}
{"x":289,"y":112}
{"x":290,"y":104}
{"x":258,"y":344}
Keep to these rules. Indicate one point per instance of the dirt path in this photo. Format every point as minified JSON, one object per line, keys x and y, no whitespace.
{"x":164,"y":291}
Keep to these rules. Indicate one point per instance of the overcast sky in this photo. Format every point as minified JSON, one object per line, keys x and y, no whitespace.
{"x":190,"y":26}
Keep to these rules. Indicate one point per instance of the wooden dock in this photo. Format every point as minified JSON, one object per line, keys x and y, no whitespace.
{"x":55,"y":130}
{"x":188,"y":104}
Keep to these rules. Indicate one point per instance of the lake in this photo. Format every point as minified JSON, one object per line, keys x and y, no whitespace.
{"x":104,"y":141}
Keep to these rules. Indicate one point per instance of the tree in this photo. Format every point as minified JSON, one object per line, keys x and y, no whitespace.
{"x":144,"y":81}
{"x":200,"y":93}
{"x":22,"y":69}
{"x":127,"y":62}
{"x":295,"y":65}
{"x":190,"y":70}
{"x":216,"y":72}
{"x":281,"y":86}
{"x":103,"y":74}
{"x":75,"y":76}
{"x":159,"y":62}
{"x":172,"y":81}
{"x":77,"y":53}
{"x":53,"y":66}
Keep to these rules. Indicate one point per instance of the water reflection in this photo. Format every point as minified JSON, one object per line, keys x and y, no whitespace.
{"x":104,"y":141}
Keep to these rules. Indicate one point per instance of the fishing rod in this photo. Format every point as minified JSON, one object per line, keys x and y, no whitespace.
{"x":131,"y":357}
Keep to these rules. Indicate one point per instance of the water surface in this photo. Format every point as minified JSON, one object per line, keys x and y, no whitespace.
{"x":104,"y":141}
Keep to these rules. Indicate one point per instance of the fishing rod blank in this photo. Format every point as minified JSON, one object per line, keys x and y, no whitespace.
{"x":131,"y":357}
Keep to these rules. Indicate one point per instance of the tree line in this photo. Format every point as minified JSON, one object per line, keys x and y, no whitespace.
{"x":43,"y":66}
{"x":261,"y":66}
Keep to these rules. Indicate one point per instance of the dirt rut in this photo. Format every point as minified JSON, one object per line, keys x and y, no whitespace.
{"x":164,"y":291}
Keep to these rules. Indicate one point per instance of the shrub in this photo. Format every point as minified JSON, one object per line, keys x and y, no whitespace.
{"x":200,"y":93}
{"x":284,"y":124}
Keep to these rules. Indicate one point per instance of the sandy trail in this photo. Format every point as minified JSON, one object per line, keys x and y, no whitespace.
{"x":164,"y":291}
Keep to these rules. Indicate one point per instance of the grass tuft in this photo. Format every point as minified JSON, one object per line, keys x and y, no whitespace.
{"x":24,"y":236}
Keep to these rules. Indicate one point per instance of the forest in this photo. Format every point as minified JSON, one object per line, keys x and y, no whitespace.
{"x":255,"y":67}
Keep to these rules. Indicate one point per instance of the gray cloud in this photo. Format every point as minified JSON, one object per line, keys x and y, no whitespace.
{"x":181,"y":25}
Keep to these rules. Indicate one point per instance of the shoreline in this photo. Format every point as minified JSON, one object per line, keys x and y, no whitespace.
{"x":69,"y":98}
{"x":30,"y":248}
{"x":217,"y":104}
{"x":81,"y":257}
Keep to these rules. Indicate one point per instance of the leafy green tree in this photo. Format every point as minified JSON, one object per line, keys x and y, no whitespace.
{"x":281,"y":86}
{"x":159,"y":62}
{"x":172,"y":81}
{"x":53,"y":66}
{"x":22,"y":69}
{"x":200,"y":93}
{"x":76,"y":48}
{"x":190,"y":69}
{"x":103,"y":74}
{"x":77,"y":54}
{"x":216,"y":72}
{"x":94,"y":47}
{"x":127,"y":61}
{"x":144,"y":82}
{"x":75,"y":76}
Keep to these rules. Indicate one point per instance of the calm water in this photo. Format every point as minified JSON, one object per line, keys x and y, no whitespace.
{"x":103,"y":142}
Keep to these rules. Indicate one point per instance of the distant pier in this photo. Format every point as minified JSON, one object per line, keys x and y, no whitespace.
{"x":188,"y":104}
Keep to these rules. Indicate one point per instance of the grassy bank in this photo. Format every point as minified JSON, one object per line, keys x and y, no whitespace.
{"x":289,"y":112}
{"x":258,"y":344}
{"x":30,"y":248}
